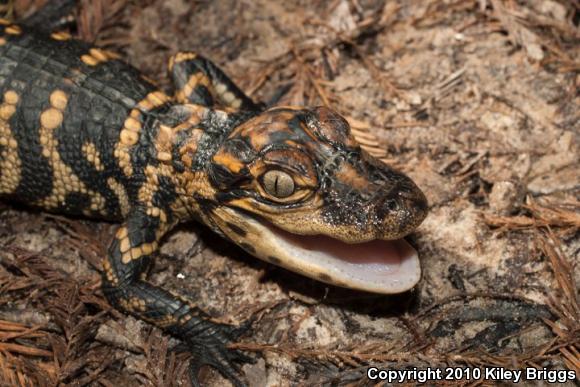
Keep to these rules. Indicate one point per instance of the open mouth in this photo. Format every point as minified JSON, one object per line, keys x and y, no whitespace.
{"x":378,"y":266}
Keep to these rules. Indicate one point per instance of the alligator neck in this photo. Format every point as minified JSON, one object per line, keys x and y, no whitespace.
{"x":187,"y":138}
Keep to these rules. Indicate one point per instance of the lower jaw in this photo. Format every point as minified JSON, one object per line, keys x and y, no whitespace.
{"x":378,"y":266}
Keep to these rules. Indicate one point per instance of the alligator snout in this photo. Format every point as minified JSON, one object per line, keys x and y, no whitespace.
{"x":373,"y":200}
{"x":399,"y":211}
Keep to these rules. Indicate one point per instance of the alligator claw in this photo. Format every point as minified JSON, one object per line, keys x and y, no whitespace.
{"x":212,"y":350}
{"x":243,"y":327}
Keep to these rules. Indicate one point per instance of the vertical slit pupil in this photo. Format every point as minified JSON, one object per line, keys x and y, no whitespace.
{"x":276,"y":189}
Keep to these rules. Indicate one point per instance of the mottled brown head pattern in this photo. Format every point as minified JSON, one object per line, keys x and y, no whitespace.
{"x":302,"y":171}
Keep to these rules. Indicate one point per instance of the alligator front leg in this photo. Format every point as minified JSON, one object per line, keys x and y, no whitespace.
{"x":199,"y":81}
{"x":128,"y":258}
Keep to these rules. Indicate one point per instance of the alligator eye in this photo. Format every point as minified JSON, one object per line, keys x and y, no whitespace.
{"x":278,"y":183}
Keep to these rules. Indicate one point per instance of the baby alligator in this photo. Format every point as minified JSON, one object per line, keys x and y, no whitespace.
{"x":83,"y":133}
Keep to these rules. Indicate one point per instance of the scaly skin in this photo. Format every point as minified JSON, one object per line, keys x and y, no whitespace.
{"x":83,"y":133}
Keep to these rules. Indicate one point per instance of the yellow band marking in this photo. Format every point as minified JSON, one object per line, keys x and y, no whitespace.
{"x":64,"y":181}
{"x":97,"y":55}
{"x":135,"y":253}
{"x":121,"y":194}
{"x":89,"y":60}
{"x":131,"y":131}
{"x":10,"y":164}
{"x":61,"y":36}
{"x":51,"y":118}
{"x":93,"y":156}
{"x":13,"y":30}
{"x":109,"y":273}
{"x":6,"y":111}
{"x":180,"y":57}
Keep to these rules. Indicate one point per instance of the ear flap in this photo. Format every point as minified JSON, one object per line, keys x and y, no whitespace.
{"x":230,"y":163}
{"x":221,"y":177}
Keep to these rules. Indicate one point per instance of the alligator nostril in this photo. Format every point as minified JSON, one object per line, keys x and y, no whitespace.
{"x":391,"y":205}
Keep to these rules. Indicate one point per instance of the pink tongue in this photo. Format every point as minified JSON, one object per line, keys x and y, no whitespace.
{"x":389,"y":253}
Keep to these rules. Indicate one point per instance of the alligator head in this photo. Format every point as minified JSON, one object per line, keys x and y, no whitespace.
{"x":294,"y":188}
